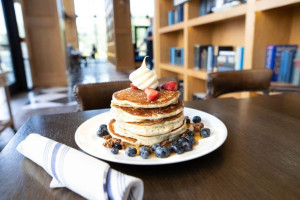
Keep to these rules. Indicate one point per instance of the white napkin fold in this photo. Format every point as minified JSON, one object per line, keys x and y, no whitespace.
{"x":81,"y":173}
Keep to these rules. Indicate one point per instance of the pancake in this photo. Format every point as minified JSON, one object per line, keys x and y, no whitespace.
{"x":138,"y":99}
{"x":150,"y":128}
{"x":129,"y":114}
{"x":146,"y":140}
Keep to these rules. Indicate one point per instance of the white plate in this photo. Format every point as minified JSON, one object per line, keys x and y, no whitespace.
{"x":88,"y":141}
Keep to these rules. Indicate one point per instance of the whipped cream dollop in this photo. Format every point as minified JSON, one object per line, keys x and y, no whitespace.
{"x":143,"y":77}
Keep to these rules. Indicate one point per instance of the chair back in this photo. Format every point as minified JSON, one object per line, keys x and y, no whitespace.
{"x":219,"y":83}
{"x":97,"y":95}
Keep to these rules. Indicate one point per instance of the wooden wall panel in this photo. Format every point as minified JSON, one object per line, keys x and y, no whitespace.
{"x":45,"y":43}
{"x":70,"y":24}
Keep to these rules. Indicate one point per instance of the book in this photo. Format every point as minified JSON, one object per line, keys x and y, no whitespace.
{"x":296,"y":71}
{"x":200,"y":56}
{"x":273,"y":56}
{"x":239,"y":58}
{"x":202,"y":8}
{"x":209,"y":5}
{"x":176,"y":56}
{"x":222,"y":48}
{"x":226,"y":61}
{"x":179,"y":53}
{"x":172,"y":55}
{"x":170,"y":18}
{"x":222,"y":5}
{"x":175,"y":15}
{"x":210,"y":58}
{"x":196,"y":56}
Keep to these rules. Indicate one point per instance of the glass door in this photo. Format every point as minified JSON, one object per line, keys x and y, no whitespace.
{"x":10,"y":49}
{"x":6,"y":63}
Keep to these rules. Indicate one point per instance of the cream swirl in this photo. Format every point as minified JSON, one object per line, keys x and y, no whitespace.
{"x":143,"y":77}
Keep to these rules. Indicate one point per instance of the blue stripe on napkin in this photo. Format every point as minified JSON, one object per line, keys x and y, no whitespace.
{"x":46,"y":155}
{"x":53,"y":160}
{"x":61,"y":161}
{"x":108,"y":186}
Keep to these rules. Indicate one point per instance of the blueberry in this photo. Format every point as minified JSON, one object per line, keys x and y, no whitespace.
{"x":145,"y":148}
{"x":178,"y":149}
{"x":102,"y":133}
{"x":181,"y":140}
{"x":171,"y":149}
{"x":175,"y":142}
{"x":114,"y":150}
{"x":191,"y":133}
{"x":190,"y":139}
{"x":187,"y":119}
{"x":117,"y":146}
{"x":187,"y":146}
{"x":130,"y":151}
{"x":162,"y":152}
{"x":103,"y":127}
{"x":155,"y":146}
{"x":205,"y":132}
{"x":145,"y":152}
{"x":196,"y":119}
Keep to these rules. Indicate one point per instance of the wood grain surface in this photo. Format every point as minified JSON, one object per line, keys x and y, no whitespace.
{"x":259,"y":160}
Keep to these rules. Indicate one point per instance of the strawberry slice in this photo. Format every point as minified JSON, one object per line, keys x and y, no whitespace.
{"x":133,"y":86}
{"x":171,"y":86}
{"x":151,"y":94}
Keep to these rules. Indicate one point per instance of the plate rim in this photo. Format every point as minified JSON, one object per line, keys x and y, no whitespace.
{"x":147,"y":163}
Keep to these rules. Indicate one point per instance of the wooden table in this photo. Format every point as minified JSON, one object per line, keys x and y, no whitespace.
{"x":259,"y":160}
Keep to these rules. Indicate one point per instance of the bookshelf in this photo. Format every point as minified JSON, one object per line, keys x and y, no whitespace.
{"x":252,"y":25}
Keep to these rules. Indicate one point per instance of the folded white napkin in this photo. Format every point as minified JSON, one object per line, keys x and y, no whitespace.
{"x":81,"y":173}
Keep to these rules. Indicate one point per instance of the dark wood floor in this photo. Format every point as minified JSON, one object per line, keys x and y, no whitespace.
{"x":92,"y":73}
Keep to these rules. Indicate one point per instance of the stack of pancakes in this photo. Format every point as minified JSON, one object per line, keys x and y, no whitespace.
{"x":140,"y":122}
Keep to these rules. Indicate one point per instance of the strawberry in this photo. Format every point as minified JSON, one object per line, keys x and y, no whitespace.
{"x":133,"y":86}
{"x":151,"y":94}
{"x":171,"y":86}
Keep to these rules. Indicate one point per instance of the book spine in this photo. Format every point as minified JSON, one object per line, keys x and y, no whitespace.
{"x":196,"y":57}
{"x":170,"y":18}
{"x":241,"y":67}
{"x":176,"y":18}
{"x":181,"y":13}
{"x":296,"y":71}
{"x":172,"y":55}
{"x":203,"y":57}
{"x":182,"y":57}
{"x":270,"y":60}
{"x":177,"y":56}
{"x":282,"y":67}
{"x":290,"y":66}
{"x":210,"y":59}
{"x":239,"y":58}
{"x":202,"y":8}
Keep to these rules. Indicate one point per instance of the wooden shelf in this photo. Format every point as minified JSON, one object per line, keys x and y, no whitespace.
{"x":241,"y":25}
{"x":200,"y":74}
{"x":236,"y":11}
{"x":172,"y":68}
{"x":172,"y":28}
{"x":269,"y":4}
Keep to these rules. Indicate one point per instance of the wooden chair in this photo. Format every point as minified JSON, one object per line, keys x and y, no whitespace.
{"x":219,"y":83}
{"x":98,"y":95}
